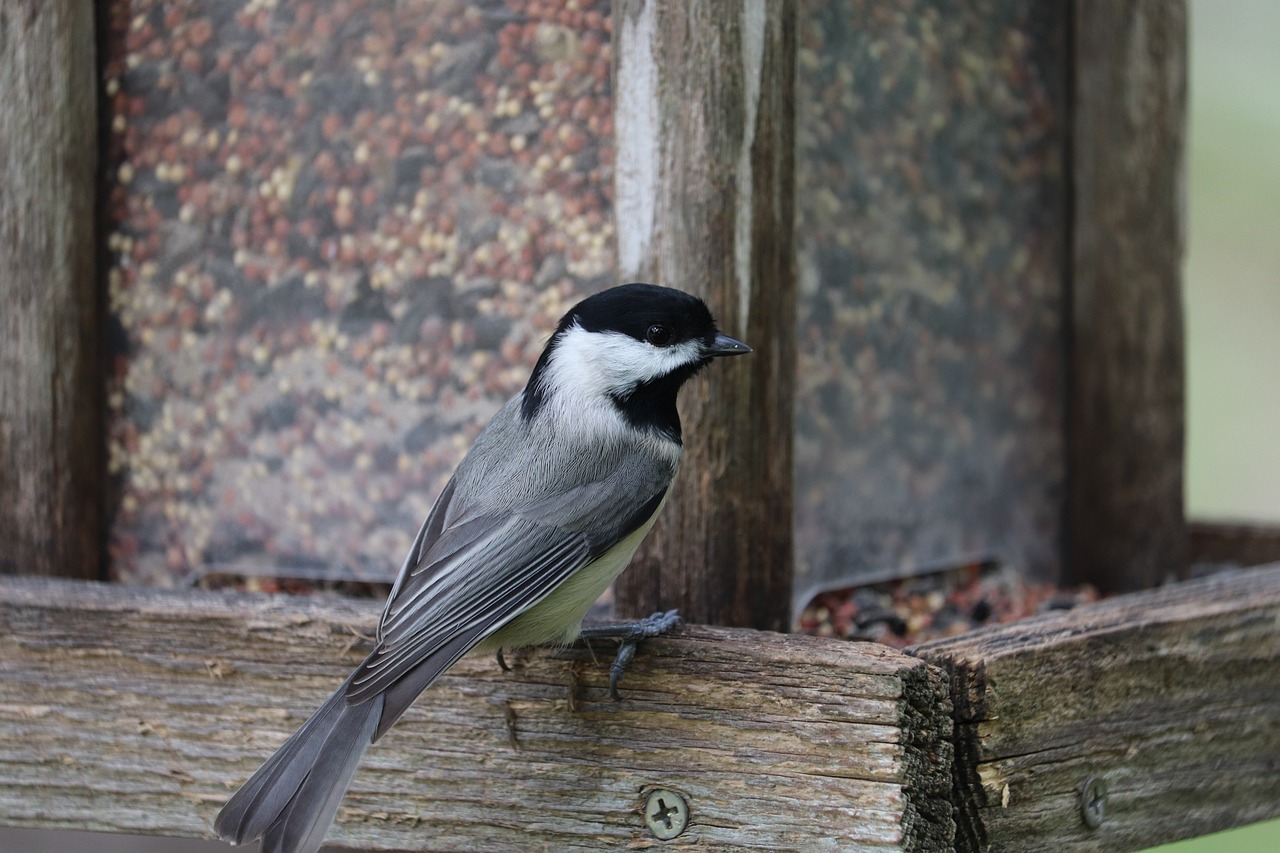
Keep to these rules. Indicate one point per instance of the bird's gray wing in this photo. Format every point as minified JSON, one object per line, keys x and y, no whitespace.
{"x":501,"y":567}
{"x":471,"y":578}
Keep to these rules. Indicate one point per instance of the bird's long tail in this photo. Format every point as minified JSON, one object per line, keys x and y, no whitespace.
{"x":294,"y":796}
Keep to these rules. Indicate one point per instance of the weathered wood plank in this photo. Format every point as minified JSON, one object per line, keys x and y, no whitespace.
{"x":1171,"y":696}
{"x":52,"y":384}
{"x":1242,"y":544}
{"x":141,"y":710}
{"x":1125,"y":528}
{"x":704,"y":112}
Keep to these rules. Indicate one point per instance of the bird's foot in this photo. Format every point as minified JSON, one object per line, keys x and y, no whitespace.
{"x":630,"y":633}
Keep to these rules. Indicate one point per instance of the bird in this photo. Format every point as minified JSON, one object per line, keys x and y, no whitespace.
{"x":543,"y":512}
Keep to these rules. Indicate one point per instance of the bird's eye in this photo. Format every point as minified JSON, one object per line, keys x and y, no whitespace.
{"x":658,"y":335}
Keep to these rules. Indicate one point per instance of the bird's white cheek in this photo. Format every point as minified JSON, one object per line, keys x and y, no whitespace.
{"x":639,"y":362}
{"x":605,"y":363}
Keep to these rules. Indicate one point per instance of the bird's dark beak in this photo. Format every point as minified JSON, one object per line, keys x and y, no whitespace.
{"x":725,"y":345}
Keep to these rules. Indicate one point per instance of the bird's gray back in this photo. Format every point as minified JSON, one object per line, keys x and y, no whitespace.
{"x":579,"y":477}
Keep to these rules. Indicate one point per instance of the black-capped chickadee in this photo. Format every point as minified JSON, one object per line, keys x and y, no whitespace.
{"x":542,"y":514}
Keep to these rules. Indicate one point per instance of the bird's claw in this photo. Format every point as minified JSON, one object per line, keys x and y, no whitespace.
{"x":619,"y":666}
{"x":630,"y":633}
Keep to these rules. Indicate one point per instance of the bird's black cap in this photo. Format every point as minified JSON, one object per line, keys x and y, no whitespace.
{"x":634,"y":310}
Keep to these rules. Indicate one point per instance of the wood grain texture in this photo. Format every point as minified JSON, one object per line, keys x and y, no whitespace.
{"x":52,"y":444}
{"x":1125,"y":418}
{"x":705,"y":138}
{"x":140,"y":710}
{"x":1173,"y":696}
{"x":1241,"y":544}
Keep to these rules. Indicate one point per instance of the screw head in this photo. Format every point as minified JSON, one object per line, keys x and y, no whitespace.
{"x":1093,"y":801}
{"x":666,"y":814}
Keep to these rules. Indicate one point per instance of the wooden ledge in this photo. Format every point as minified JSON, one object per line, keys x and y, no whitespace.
{"x":1171,"y":698}
{"x":133,"y":710}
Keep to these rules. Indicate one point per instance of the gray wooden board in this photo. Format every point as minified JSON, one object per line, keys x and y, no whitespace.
{"x":52,"y":458}
{"x":1125,"y":523}
{"x":1172,"y":696}
{"x":129,"y":710}
{"x":704,"y":196}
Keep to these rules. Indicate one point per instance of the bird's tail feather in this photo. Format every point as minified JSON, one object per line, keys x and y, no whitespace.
{"x":294,"y":796}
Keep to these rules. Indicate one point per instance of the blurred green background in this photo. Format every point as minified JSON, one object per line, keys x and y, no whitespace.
{"x":1233,"y":261}
{"x":1232,"y":289}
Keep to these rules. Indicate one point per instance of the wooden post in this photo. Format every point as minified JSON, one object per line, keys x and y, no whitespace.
{"x":135,"y":710}
{"x":52,"y":441}
{"x":1169,"y":699}
{"x":1125,"y":419}
{"x":705,"y":128}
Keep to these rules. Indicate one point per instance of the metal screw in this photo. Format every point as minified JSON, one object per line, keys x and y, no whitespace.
{"x":1093,"y":801}
{"x":666,"y":814}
